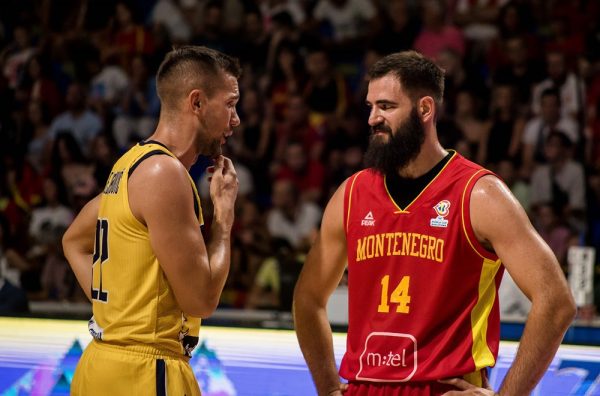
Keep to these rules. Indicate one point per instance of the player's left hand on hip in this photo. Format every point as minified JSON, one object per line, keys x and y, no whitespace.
{"x":466,"y":388}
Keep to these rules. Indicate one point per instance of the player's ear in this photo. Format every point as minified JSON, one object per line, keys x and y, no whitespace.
{"x":426,"y":108}
{"x":195,"y":100}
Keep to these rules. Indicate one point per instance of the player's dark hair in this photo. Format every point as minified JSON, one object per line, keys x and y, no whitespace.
{"x":418,"y":75}
{"x":193,"y":63}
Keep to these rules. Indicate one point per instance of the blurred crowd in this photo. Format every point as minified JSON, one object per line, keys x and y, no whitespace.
{"x":77,"y":89}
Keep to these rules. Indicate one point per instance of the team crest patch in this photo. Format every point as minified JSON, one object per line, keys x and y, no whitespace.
{"x":442,"y":209}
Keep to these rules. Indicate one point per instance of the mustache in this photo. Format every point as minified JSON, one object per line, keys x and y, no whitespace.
{"x":381,"y":128}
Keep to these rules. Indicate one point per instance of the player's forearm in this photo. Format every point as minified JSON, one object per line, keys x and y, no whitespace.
{"x":544,"y":330}
{"x":81,"y":264}
{"x":219,"y":258}
{"x":315,"y":338}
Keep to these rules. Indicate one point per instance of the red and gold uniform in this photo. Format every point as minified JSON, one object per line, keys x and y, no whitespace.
{"x":423,"y":302}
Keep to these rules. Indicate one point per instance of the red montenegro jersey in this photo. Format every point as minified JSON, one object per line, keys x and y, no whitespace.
{"x":423,"y":301}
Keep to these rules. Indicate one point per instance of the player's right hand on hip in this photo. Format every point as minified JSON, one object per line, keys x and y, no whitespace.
{"x":223,"y":189}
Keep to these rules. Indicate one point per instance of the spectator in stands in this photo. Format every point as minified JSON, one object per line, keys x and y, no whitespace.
{"x":211,"y":32}
{"x":253,"y":43}
{"x":296,"y":127}
{"x":292,"y":218}
{"x":285,"y":78}
{"x":169,"y":14}
{"x":553,"y":230}
{"x":457,"y":78}
{"x":473,"y":128}
{"x":326,"y":92}
{"x":14,"y":57}
{"x":570,"y":87}
{"x":307,"y":174}
{"x":293,"y":8}
{"x":250,"y":246}
{"x":397,"y":29}
{"x":538,"y":129}
{"x":57,"y":279}
{"x":40,"y":86}
{"x":139,"y":107}
{"x":593,"y":205}
{"x":82,"y":123}
{"x":51,"y":214}
{"x":20,"y":191}
{"x":70,"y":169}
{"x":477,"y":18}
{"x":109,"y":83}
{"x":345,"y":22}
{"x":437,"y":35}
{"x":561,"y":182}
{"x":103,"y":156}
{"x":507,"y":171}
{"x":129,"y":37}
{"x":13,"y":300}
{"x":521,"y":70}
{"x":503,"y":138}
{"x":37,"y":135}
{"x":265,"y":288}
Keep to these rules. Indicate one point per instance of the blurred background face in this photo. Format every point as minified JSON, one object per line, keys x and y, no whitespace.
{"x":550,"y":108}
{"x":502,"y":97}
{"x":556,"y":65}
{"x":295,"y":157}
{"x":511,"y":19}
{"x":449,"y":61}
{"x":50,"y":190}
{"x":545,"y":217}
{"x":516,"y":52}
{"x":506,"y":171}
{"x":75,"y":98}
{"x":250,"y":102}
{"x":317,"y":64}
{"x":554,"y":149}
{"x":398,"y":12}
{"x":464,"y":103}
{"x":35,"y":112}
{"x":123,"y":14}
{"x":253,"y":25}
{"x":432,"y":13}
{"x":283,"y":194}
{"x":297,"y":112}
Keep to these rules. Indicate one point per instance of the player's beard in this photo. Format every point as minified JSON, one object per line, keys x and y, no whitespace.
{"x":207,"y":146}
{"x":401,"y":147}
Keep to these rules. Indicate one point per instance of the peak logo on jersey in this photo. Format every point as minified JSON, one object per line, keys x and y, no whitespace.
{"x":442,"y":209}
{"x":368,"y":220}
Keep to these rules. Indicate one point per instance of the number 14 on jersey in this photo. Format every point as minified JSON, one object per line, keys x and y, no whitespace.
{"x":399,"y":296}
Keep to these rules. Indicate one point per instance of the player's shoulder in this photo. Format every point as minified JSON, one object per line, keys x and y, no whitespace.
{"x":160,"y":171}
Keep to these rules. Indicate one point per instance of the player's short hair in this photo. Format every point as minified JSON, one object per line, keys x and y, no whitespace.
{"x":418,"y":75}
{"x":190,"y":67}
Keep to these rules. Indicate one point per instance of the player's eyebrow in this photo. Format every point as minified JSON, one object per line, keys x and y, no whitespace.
{"x":382,"y":101}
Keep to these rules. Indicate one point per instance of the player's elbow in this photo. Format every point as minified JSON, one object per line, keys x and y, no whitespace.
{"x":201,"y":307}
{"x":67,"y":242}
{"x":304,"y":302}
{"x":568,"y":311}
{"x":561,"y":306}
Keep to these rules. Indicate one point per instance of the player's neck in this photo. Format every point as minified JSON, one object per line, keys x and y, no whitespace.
{"x":431,"y":153}
{"x":172,"y":135}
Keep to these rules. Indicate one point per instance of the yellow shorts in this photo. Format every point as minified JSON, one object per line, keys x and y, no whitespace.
{"x":107,"y":370}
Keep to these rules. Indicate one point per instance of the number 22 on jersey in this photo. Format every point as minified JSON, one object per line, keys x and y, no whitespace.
{"x":399,"y":296}
{"x":100,"y":257}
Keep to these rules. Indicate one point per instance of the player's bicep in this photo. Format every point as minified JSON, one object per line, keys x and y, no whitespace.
{"x":326,"y":260}
{"x":500,"y":221}
{"x":160,"y":192}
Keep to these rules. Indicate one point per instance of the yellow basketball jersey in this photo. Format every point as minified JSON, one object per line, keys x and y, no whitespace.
{"x":133,"y":304}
